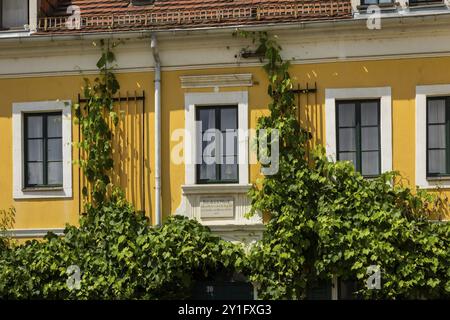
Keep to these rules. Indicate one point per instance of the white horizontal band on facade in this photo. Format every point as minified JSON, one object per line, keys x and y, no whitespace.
{"x":418,"y":39}
{"x":224,"y":65}
{"x":218,"y":80}
{"x":31,"y":233}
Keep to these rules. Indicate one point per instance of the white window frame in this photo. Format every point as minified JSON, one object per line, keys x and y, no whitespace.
{"x":193,"y":100}
{"x":422,"y":93}
{"x":382,"y":93}
{"x":19,"y":192}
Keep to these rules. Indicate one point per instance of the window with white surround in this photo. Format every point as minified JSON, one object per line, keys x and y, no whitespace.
{"x":433,"y":136}
{"x":42,"y":150}
{"x":217,"y":195}
{"x":219,"y":152}
{"x":358,"y":134}
{"x":14,"y":14}
{"x":359,"y":128}
{"x":224,"y":112}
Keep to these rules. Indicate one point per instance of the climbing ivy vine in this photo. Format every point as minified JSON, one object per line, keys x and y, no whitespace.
{"x":96,"y":142}
{"x":327,"y":221}
{"x":7,"y":220}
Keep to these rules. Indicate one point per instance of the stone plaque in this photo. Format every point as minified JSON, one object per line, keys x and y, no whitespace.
{"x":217,"y":207}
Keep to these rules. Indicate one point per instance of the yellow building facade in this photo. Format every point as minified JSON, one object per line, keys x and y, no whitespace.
{"x":401,"y":66}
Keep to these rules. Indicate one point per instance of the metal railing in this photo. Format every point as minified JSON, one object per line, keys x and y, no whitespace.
{"x":310,"y":10}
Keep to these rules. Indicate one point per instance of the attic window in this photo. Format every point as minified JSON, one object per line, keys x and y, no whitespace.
{"x":142,"y":2}
{"x":13,"y":14}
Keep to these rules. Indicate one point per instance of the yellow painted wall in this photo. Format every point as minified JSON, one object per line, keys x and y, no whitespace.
{"x":401,"y":75}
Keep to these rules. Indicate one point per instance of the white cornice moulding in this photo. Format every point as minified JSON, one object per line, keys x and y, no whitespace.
{"x":219,"y":80}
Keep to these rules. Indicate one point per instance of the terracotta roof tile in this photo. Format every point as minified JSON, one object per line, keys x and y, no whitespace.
{"x":110,"y":15}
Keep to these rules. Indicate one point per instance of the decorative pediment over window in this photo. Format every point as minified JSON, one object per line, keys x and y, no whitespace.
{"x":220,"y":80}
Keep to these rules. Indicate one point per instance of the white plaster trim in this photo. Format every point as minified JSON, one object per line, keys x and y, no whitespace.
{"x":239,"y":98}
{"x":218,"y":189}
{"x":33,"y":15}
{"x":220,"y":80}
{"x":382,"y":93}
{"x":18,"y":174}
{"x":32,"y":233}
{"x":426,"y":36}
{"x":246,"y":234}
{"x":14,"y":34}
{"x":422,"y":92}
{"x":144,"y":69}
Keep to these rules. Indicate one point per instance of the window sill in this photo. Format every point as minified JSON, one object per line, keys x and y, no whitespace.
{"x":14,"y":33}
{"x":215,"y":188}
{"x":426,"y":4}
{"x":381,"y":6}
{"x":435,"y":6}
{"x":444,"y":178}
{"x":42,"y":193}
{"x":39,"y":189}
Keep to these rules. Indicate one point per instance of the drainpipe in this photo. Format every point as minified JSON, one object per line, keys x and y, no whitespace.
{"x":154,"y":46}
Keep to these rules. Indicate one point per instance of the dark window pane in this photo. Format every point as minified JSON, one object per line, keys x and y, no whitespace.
{"x":436,"y":136}
{"x":209,"y":144}
{"x":228,"y":118}
{"x":54,"y":150}
{"x":209,"y":160}
{"x":436,"y":161}
{"x":54,"y":126}
{"x":55,"y":173}
{"x":34,"y":127}
{"x":35,"y":151}
{"x":208,"y":119}
{"x":35,"y":174}
{"x":208,"y":172}
{"x":369,"y":113}
{"x":368,"y":2}
{"x":370,"y":163}
{"x":436,"y":111}
{"x":219,"y":144}
{"x":369,"y":138}
{"x":229,"y":171}
{"x":348,"y":156}
{"x":230,"y":143}
{"x":347,"y":290}
{"x":14,"y":13}
{"x":346,"y":114}
{"x":321,"y":291}
{"x":347,"y":139}
{"x":229,"y":160}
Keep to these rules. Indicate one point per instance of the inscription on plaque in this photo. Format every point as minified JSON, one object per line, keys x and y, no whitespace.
{"x":217,"y":207}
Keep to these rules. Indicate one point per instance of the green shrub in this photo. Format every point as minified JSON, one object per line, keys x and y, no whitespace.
{"x":120,"y":257}
{"x":327,"y":220}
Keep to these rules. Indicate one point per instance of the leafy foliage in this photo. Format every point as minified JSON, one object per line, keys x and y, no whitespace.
{"x":327,"y":220}
{"x":120,"y":257}
{"x":7,"y":219}
{"x":96,"y":132}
